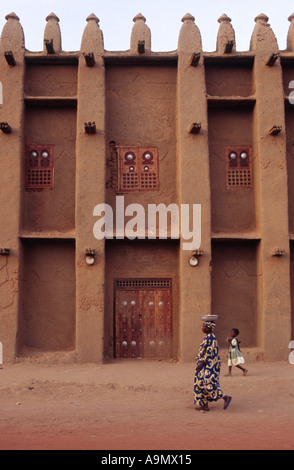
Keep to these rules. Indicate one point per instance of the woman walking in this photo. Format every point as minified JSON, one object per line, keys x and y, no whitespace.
{"x":206,"y":380}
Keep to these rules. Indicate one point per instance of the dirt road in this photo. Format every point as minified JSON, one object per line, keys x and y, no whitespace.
{"x":137,"y":405}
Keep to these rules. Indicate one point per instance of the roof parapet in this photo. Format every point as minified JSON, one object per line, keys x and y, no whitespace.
{"x":226,"y":41}
{"x":290,"y":36}
{"x":52,"y":35}
{"x":140,"y":36}
{"x":12,"y":37}
{"x":189,"y":37}
{"x":263,"y":38}
{"x":92,"y":40}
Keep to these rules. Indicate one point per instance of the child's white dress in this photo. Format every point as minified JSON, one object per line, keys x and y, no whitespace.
{"x":235,"y":356}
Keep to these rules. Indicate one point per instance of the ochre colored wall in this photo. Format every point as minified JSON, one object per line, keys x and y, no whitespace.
{"x":229,"y":80}
{"x":51,"y":80}
{"x":233,"y":210}
{"x":290,"y":163}
{"x":52,"y":209}
{"x":141,"y":111}
{"x":47,"y":322}
{"x":234,"y":276}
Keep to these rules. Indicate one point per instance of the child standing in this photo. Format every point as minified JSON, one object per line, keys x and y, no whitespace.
{"x":235,"y":356}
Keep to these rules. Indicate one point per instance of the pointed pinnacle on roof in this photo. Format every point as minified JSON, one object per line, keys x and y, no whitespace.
{"x":188,"y":17}
{"x":92,"y":17}
{"x":52,"y":16}
{"x":138,"y":17}
{"x":262,"y":18}
{"x":224,"y":17}
{"x":12,"y":16}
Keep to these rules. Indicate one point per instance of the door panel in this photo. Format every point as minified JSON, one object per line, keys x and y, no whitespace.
{"x":157,"y":332}
{"x":143,"y":323}
{"x":128,"y":324}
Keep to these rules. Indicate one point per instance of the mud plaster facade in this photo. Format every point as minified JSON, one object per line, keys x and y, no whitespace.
{"x":54,"y":306}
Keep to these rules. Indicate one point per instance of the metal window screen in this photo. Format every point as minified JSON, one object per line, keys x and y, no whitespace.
{"x":239,"y":178}
{"x":137,"y":283}
{"x":39,"y":178}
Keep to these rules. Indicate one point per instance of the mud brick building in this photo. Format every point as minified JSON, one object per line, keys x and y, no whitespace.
{"x":83,"y":128}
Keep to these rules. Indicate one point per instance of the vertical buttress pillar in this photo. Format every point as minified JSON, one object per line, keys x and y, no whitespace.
{"x":90,"y":190}
{"x":11,"y":155}
{"x":270,"y":169}
{"x":194,"y":185}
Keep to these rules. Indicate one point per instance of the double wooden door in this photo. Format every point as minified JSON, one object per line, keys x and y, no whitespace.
{"x":143,"y":319}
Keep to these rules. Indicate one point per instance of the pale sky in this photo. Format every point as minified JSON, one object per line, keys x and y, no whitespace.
{"x":162,"y":16}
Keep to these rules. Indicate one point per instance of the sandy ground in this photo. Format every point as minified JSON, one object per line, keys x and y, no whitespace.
{"x":143,"y":405}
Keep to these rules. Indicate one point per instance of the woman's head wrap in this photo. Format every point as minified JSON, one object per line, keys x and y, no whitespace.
{"x":210,"y":325}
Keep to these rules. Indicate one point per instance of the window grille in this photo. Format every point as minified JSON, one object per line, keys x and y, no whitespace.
{"x":239,"y":167}
{"x":138,"y":283}
{"x":138,"y":168}
{"x":39,"y":167}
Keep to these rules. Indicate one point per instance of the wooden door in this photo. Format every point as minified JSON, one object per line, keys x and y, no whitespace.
{"x":143,"y":319}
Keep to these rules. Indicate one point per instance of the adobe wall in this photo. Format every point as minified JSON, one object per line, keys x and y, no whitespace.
{"x":56,"y":210}
{"x":234,"y":277}
{"x":48,"y":321}
{"x":232,"y":211}
{"x":56,"y":307}
{"x":137,"y":100}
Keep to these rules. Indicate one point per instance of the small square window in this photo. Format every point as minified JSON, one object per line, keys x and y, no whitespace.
{"x":39,"y":167}
{"x":238,"y":167}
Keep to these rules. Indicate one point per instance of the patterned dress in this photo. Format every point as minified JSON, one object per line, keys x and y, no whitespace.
{"x":206,"y":381}
{"x":235,"y":356}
